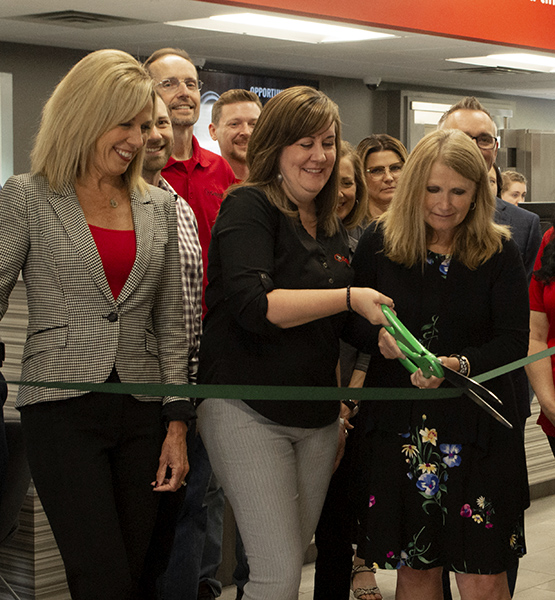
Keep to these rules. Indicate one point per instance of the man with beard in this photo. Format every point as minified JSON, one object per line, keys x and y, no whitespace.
{"x":158,"y":150}
{"x":234,"y":116}
{"x":201,"y":178}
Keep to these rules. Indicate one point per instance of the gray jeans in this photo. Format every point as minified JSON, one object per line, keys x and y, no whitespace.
{"x":275,"y":478}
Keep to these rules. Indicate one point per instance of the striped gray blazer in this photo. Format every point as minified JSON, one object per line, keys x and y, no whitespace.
{"x":77,"y":331}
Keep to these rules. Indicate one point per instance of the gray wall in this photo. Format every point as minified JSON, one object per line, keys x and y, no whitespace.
{"x":533,"y":113}
{"x":37,"y":69}
{"x":355,"y":103}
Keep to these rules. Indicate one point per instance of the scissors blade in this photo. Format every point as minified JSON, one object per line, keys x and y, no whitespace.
{"x":478,"y":393}
{"x":465,"y":382}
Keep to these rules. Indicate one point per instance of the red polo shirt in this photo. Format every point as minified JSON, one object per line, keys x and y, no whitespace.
{"x":202,"y":181}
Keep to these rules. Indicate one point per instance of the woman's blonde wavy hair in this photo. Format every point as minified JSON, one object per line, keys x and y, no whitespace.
{"x":102,"y":90}
{"x":407,"y":235}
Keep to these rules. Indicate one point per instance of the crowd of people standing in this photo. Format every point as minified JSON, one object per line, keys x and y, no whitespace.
{"x":148,"y":259}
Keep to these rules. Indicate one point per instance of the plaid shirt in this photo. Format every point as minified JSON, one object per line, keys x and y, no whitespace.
{"x":191,"y":274}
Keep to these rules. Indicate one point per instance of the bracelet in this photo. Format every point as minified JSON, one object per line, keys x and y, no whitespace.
{"x":350,"y":404}
{"x":349,"y":307}
{"x":464,"y":364}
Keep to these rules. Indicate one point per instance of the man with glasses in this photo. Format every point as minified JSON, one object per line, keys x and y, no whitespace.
{"x":201,"y":178}
{"x":470,"y":116}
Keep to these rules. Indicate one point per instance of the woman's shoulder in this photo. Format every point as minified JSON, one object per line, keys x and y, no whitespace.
{"x":247,"y":193}
{"x":509,"y":248}
{"x":155,"y":194}
{"x":27,"y":188}
{"x":27,"y":180}
{"x":248,"y":199}
{"x":372,"y":235}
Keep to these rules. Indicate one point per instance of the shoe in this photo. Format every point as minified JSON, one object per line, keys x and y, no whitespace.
{"x":359,"y":592}
{"x":239,"y":594}
{"x":205,"y":592}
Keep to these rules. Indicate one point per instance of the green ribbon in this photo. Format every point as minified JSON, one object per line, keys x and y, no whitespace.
{"x":278,"y":392}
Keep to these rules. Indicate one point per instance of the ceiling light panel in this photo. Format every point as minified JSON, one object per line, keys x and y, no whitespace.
{"x":523,"y":61}
{"x":292,"y":30}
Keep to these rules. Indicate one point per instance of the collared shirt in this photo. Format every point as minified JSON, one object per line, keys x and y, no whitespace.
{"x":202,"y":181}
{"x":191,"y":274}
{"x":256,"y":248}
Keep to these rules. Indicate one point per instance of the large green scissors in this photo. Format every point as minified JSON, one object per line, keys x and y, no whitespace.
{"x":419,"y":357}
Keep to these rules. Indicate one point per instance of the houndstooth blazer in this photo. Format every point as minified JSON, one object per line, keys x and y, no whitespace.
{"x":77,"y":331}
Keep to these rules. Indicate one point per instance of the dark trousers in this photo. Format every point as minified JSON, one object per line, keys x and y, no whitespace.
{"x":93,"y":459}
{"x":3,"y":442}
{"x":334,"y":536}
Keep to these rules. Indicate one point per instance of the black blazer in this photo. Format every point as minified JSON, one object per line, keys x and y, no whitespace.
{"x":525,"y":228}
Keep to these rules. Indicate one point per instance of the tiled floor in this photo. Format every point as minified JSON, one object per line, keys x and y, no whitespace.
{"x":536,"y":578}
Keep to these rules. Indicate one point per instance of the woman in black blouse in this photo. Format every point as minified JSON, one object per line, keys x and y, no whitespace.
{"x":441,"y":483}
{"x":278,"y":292}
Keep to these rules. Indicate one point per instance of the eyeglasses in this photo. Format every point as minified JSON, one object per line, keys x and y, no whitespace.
{"x":484,"y":141}
{"x":171,"y":84}
{"x":379,"y":172}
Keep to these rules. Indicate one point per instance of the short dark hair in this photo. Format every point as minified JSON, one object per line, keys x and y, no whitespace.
{"x":233,"y":96}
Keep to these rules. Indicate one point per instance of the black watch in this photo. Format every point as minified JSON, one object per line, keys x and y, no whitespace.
{"x":350,"y":404}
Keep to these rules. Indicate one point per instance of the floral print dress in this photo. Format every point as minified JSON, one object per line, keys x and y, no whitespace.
{"x":436,"y":482}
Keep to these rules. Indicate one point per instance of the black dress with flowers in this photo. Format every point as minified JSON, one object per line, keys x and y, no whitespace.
{"x":440,"y":482}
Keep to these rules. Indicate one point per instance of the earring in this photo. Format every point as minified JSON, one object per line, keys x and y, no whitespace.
{"x":472,"y":205}
{"x":279,"y":178}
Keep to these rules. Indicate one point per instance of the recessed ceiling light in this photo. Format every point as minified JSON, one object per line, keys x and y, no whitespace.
{"x":526,"y":62}
{"x":280,"y":28}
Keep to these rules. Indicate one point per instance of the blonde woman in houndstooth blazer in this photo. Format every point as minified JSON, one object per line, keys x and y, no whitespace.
{"x":98,"y":251}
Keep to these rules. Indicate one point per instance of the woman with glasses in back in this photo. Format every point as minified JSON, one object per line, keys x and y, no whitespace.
{"x":383,"y":158}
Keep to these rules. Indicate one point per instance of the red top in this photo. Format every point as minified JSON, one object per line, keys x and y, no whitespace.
{"x":542,"y":299}
{"x":202,"y":181}
{"x":117,"y":250}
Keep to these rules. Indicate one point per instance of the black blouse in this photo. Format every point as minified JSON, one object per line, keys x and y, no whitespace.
{"x":482,"y":314}
{"x":254,"y":249}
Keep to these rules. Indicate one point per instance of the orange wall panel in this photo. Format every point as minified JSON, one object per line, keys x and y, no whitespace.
{"x":523,"y":23}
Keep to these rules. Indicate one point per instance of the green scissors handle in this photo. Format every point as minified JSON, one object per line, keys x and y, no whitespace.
{"x":417,"y":357}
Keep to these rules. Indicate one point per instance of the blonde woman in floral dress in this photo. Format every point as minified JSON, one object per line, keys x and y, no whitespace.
{"x":440,"y":483}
